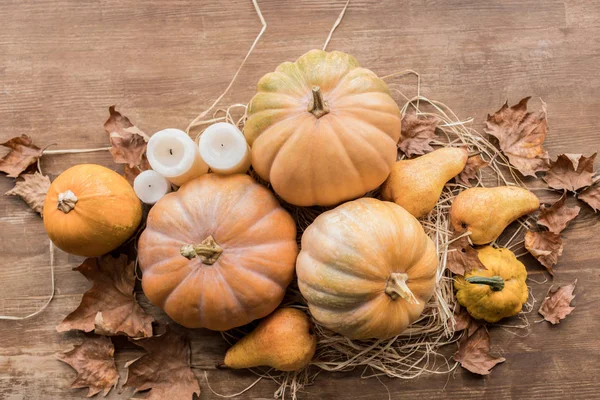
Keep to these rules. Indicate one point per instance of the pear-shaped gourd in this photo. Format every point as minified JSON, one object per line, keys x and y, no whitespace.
{"x":284,"y":340}
{"x":486,"y":212}
{"x":416,"y":185}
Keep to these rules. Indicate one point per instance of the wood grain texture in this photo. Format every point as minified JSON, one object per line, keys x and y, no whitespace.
{"x":63,"y":62}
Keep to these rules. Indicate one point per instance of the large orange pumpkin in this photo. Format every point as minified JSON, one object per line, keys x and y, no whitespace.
{"x":90,"y":210}
{"x":366,"y":269}
{"x":218,"y":253}
{"x":323,"y":130}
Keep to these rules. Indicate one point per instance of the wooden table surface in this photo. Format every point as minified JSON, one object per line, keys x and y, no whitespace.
{"x":63,"y":62}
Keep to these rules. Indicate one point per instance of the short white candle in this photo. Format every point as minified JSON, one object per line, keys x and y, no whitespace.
{"x":174,"y":155}
{"x":150,"y":186}
{"x":224,"y":148}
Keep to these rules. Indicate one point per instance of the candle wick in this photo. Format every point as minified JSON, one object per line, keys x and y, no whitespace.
{"x":171,"y":151}
{"x":221,"y":144}
{"x":149,"y":185}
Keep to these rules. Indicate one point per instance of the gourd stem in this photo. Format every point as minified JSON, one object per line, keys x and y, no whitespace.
{"x":317,"y":105}
{"x":396,"y":287}
{"x":66,"y":201}
{"x":496,"y":283}
{"x":208,"y":251}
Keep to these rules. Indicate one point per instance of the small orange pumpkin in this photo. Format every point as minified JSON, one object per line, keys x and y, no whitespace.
{"x":366,"y":269}
{"x":90,"y":210}
{"x":218,"y":253}
{"x":323,"y":130}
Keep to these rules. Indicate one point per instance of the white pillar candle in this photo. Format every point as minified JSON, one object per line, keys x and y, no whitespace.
{"x":224,"y":148}
{"x":174,"y":155}
{"x":150,"y":186}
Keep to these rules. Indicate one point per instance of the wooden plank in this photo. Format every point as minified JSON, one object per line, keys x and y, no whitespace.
{"x":63,"y":62}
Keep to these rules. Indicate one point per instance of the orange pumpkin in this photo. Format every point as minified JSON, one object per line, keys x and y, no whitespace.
{"x":323,"y":130}
{"x":218,"y":253}
{"x":366,"y":269}
{"x":90,"y":210}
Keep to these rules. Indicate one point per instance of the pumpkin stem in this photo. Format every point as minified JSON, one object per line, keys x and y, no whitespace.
{"x":66,"y":201}
{"x":317,"y":105}
{"x":396,"y":287}
{"x":496,"y":283}
{"x":208,"y":251}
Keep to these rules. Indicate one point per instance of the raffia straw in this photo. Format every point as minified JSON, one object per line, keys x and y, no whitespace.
{"x":336,"y":24}
{"x":43,"y":307}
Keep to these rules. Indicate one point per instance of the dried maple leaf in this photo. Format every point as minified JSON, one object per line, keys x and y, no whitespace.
{"x":32,"y":189}
{"x":462,"y":257}
{"x":418,"y":132}
{"x":474,"y":164}
{"x":464,"y":321}
{"x":545,"y":246}
{"x":95,"y":365}
{"x":557,"y":303}
{"x":474,"y":352}
{"x":167,"y":352}
{"x":571,"y":172}
{"x":109,"y":307}
{"x":557,"y":217}
{"x":591,"y":196}
{"x":521,"y":136}
{"x":22,"y":154}
{"x":127,"y":140}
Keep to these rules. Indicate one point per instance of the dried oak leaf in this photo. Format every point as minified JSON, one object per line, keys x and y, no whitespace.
{"x":418,"y":132}
{"x":462,"y":257}
{"x":109,"y":307}
{"x":557,"y":217}
{"x":22,"y":154}
{"x":127,"y":140}
{"x":556,"y":304}
{"x":95,"y":365}
{"x":167,"y":352}
{"x":474,"y":164}
{"x":521,"y":136}
{"x":473,"y":352}
{"x":591,"y":196}
{"x":545,"y":246}
{"x":32,"y":189}
{"x":571,"y":172}
{"x":464,"y":321}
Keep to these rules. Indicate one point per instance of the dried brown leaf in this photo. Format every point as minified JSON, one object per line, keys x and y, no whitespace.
{"x":545,"y":246}
{"x":557,"y":217}
{"x":109,"y":307}
{"x":127,"y":140}
{"x":32,"y":189}
{"x":474,"y":352}
{"x":131,"y":173}
{"x":95,"y":365}
{"x":464,"y":321}
{"x":571,"y":172}
{"x":418,"y":131}
{"x":167,"y":352}
{"x":462,"y":257}
{"x":474,"y":164}
{"x":591,"y":196}
{"x":521,"y":136}
{"x":22,"y":154}
{"x":557,"y":303}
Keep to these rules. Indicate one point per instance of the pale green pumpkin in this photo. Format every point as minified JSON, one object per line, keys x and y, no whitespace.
{"x":323,"y":130}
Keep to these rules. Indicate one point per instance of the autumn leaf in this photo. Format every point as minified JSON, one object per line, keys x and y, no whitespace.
{"x":591,"y":196}
{"x":557,"y":303}
{"x":545,"y":246}
{"x":130,"y":173}
{"x":418,"y":132}
{"x":32,"y":189}
{"x":167,"y":352}
{"x":464,"y":321}
{"x":474,"y":164}
{"x":474,"y":352}
{"x":109,"y":307}
{"x":557,"y":217}
{"x":571,"y":172}
{"x":462,"y":257}
{"x":521,"y":136}
{"x":22,"y":154}
{"x":95,"y":365}
{"x":127,"y":140}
